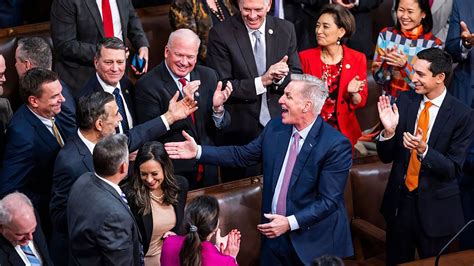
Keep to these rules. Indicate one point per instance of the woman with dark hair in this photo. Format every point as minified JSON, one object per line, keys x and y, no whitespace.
{"x":343,"y":70}
{"x":199,"y":16}
{"x":201,"y":221}
{"x":397,"y":47}
{"x":156,"y":198}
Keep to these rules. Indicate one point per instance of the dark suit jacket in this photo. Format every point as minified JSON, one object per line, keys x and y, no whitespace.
{"x":316,"y":190}
{"x":437,"y":185}
{"x":145,"y":222}
{"x":9,"y":256}
{"x":76,"y":27}
{"x":102,"y":230}
{"x":29,"y":159}
{"x":6,"y":114}
{"x":67,"y":116}
{"x":462,"y":84}
{"x":230,"y":54}
{"x":153,"y":93}
{"x":126,"y":86}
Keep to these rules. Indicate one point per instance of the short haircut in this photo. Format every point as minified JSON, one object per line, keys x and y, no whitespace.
{"x":440,"y":61}
{"x":109,"y":153}
{"x":314,"y":89}
{"x":92,"y":107}
{"x":31,"y":84}
{"x":37,"y":51}
{"x":343,"y":18}
{"x":12,"y":202}
{"x":427,"y":22}
{"x":187,"y":34}
{"x":109,"y":43}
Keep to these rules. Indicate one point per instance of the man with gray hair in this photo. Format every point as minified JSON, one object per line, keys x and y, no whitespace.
{"x":21,"y":241}
{"x":179,"y":72}
{"x":34,"y":52}
{"x":102,"y":230}
{"x":305,"y":167}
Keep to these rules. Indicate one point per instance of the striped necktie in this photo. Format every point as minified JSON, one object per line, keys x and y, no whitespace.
{"x":34,"y":261}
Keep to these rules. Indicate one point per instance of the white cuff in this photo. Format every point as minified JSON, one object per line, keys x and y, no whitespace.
{"x":293,"y":222}
{"x":259,"y":88}
{"x":380,"y":137}
{"x":199,"y":153}
{"x":167,"y":125}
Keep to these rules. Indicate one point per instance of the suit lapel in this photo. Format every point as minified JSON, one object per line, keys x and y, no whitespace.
{"x":282,"y":141}
{"x":10,"y":252}
{"x":125,"y":87}
{"x":243,"y":41}
{"x":108,"y":188}
{"x":270,"y":41}
{"x":94,"y":10}
{"x":308,"y":145}
{"x":443,"y":116}
{"x":123,"y":14}
{"x":41,"y":130}
{"x":85,"y":153}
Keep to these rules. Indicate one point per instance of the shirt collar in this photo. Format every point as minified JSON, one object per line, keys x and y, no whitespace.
{"x":115,"y":186}
{"x":89,"y":144}
{"x":261,"y":29}
{"x":107,"y":87}
{"x":304,"y":133}
{"x":44,"y":120}
{"x":436,"y":101}
{"x":176,"y":78}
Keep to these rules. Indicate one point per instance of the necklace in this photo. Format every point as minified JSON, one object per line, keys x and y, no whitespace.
{"x":218,"y":13}
{"x":329,"y":77}
{"x":158,"y":199}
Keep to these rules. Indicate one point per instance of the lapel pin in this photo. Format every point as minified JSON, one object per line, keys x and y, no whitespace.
{"x":270,"y":31}
{"x":348,"y":66}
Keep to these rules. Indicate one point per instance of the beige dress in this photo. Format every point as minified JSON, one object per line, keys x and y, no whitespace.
{"x":164,"y":219}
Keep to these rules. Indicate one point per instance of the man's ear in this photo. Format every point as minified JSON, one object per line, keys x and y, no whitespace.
{"x":440,"y":78}
{"x":32,"y":101}
{"x":98,"y":125}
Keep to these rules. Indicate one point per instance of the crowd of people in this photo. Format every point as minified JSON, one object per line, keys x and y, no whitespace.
{"x":95,"y":168}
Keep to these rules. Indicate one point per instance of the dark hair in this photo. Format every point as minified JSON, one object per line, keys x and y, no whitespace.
{"x":200,"y":220}
{"x":327,"y":260}
{"x":440,"y":61}
{"x":139,"y":192}
{"x":109,"y":153}
{"x":343,"y":18}
{"x":31,"y":84}
{"x":92,"y":107}
{"x":427,"y":22}
{"x":109,"y":43}
{"x":36,"y":50}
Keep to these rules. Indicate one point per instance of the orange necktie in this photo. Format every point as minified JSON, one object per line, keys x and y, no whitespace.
{"x":414,"y":166}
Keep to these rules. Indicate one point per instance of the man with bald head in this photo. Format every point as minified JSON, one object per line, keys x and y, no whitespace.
{"x":179,"y":72}
{"x":21,"y":240}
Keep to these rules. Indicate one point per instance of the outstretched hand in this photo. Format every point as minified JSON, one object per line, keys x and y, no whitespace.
{"x":182,"y":150}
{"x":178,"y":110}
{"x":388,"y":115}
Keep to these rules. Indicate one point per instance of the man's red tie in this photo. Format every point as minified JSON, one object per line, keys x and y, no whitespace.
{"x":200,"y":171}
{"x":107,"y":19}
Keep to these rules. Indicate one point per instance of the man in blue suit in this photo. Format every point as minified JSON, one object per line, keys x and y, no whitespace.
{"x":459,"y":44}
{"x":34,"y":139}
{"x":305,"y":167}
{"x":426,"y":135}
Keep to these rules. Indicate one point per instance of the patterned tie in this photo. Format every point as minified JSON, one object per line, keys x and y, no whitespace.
{"x":107,"y":19}
{"x":261,"y":61}
{"x":34,"y":261}
{"x":121,"y":107}
{"x":56,"y":133}
{"x":413,"y":171}
{"x":281,"y":204}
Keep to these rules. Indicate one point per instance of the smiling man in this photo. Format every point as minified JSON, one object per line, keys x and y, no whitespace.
{"x":426,"y":135}
{"x":256,"y":53}
{"x":305,"y":167}
{"x":21,"y":241}
{"x":179,"y":72}
{"x":33,"y":140}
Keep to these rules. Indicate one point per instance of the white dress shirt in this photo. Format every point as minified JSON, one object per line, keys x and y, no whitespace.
{"x":47,"y":123}
{"x":23,"y":255}
{"x":115,"y":17}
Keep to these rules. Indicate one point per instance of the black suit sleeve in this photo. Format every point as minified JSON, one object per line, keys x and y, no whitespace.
{"x":182,"y":196}
{"x":366,"y":5}
{"x":134,"y":29}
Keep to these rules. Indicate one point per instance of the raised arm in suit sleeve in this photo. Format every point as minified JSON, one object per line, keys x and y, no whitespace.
{"x":332,"y":182}
{"x":135,"y":32}
{"x":453,"y":40}
{"x":64,"y":33}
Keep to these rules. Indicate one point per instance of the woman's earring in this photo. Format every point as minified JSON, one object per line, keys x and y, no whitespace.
{"x":338,"y":41}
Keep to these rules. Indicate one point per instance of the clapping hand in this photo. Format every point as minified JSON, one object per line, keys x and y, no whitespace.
{"x":393,"y":57}
{"x":355,"y":85}
{"x":388,"y":115}
{"x":414,"y":142}
{"x":233,"y":243}
{"x":221,"y":95}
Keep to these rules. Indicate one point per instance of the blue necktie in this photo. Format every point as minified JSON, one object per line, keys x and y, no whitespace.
{"x":121,"y":107}
{"x":34,"y":261}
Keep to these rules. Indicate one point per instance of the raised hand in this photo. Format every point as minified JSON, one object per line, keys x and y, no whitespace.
{"x":233,"y":244}
{"x":178,"y":110}
{"x":221,"y":95}
{"x":276,"y":71}
{"x":182,"y":150}
{"x":190,"y":89}
{"x":355,"y":85}
{"x":393,"y":57}
{"x":466,"y":35}
{"x":388,"y":115}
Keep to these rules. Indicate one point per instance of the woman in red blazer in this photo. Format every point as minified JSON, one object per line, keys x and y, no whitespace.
{"x":343,"y":69}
